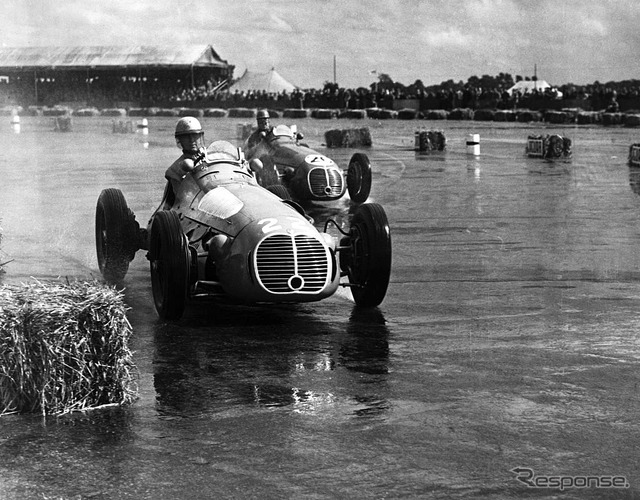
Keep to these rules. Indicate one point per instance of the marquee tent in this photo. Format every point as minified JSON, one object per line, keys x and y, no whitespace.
{"x":271,"y":82}
{"x":527,"y":86}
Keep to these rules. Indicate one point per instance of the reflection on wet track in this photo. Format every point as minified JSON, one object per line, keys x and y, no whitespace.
{"x":508,"y":337}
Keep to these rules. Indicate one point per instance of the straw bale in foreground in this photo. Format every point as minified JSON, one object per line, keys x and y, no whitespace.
{"x":63,"y":347}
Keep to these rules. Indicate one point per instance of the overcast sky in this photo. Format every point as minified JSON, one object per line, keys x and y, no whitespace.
{"x":577,"y":41}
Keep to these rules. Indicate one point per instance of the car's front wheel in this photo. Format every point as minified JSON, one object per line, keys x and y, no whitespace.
{"x":116,"y":234}
{"x":170,"y":256}
{"x":368,"y":263}
{"x":359,"y":178}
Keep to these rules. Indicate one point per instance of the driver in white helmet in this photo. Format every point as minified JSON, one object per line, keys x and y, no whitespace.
{"x":190,"y":138}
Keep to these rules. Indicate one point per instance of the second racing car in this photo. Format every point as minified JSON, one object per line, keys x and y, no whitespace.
{"x":307,"y":174}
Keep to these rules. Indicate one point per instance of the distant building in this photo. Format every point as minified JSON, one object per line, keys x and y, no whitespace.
{"x":107,"y":75}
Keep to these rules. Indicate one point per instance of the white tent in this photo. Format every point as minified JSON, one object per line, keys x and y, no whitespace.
{"x":526,"y":86}
{"x":271,"y":81}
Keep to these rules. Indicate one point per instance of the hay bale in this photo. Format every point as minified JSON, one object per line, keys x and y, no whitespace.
{"x":133,"y":112}
{"x":324,"y":114}
{"x":634,"y":155}
{"x":35,"y":111}
{"x":62,"y":124}
{"x":548,"y":146}
{"x":122,"y":127}
{"x":387,"y":114}
{"x":356,"y":114}
{"x":348,"y":138}
{"x":612,"y":119}
{"x":215,"y":112}
{"x":56,"y":111}
{"x":11,"y":110}
{"x":558,"y":117}
{"x":430,"y":140}
{"x":505,"y":115}
{"x":167,"y":112}
{"x":484,"y":115}
{"x":63,"y":347}
{"x":407,"y":114}
{"x":588,"y":117}
{"x":197,"y":112}
{"x":295,"y":113}
{"x":632,"y":120}
{"x":114,"y":112}
{"x":527,"y":116}
{"x":86,"y":112}
{"x":461,"y":114}
{"x":242,"y":113}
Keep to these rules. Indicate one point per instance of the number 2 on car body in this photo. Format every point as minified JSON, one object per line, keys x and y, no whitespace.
{"x":271,"y":224}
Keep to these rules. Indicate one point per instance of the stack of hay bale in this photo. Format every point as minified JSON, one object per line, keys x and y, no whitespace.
{"x":348,"y":138}
{"x":548,"y":146}
{"x":461,"y":114}
{"x":63,"y":347}
{"x":430,"y":140}
{"x":634,"y":155}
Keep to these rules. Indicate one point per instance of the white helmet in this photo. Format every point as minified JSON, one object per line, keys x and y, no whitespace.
{"x":188,"y":125}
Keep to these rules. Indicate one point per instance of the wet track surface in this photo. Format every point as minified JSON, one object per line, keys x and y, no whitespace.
{"x":508,"y":337}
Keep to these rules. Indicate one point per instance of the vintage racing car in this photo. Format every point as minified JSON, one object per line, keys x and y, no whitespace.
{"x":227,"y":236}
{"x":307,"y":174}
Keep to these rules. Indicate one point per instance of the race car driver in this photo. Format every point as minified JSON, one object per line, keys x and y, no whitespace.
{"x":264,"y":127}
{"x":190,"y":138}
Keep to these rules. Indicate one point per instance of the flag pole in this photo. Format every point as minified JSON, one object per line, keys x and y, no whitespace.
{"x":334,"y":69}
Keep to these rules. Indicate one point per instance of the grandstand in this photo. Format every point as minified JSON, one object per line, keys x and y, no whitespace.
{"x":105,"y":76}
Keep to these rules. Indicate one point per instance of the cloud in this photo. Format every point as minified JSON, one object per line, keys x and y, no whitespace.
{"x":572,"y":40}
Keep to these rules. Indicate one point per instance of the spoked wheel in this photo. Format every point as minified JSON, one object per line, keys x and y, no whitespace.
{"x":170,"y":265}
{"x":359,"y":178}
{"x":116,"y":235}
{"x":368,"y":265}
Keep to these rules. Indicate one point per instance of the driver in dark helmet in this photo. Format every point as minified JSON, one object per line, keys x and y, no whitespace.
{"x":264,"y":127}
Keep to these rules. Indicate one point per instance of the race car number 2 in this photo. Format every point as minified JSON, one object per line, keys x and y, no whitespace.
{"x":271,"y":224}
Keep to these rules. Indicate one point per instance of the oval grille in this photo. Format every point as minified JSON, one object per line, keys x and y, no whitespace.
{"x":322,"y":178}
{"x":279,"y":257}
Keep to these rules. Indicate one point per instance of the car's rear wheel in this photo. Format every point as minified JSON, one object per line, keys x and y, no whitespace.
{"x":359,"y":178}
{"x":368,"y":264}
{"x":170,"y":265}
{"x":116,"y":235}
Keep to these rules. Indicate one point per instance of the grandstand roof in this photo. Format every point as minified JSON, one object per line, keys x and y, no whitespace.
{"x":110,"y":56}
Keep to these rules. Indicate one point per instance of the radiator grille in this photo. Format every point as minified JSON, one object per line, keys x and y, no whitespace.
{"x":326,"y":182}
{"x":286,"y":264}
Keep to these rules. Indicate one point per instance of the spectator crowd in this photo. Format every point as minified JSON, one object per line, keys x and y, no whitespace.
{"x":485,"y":93}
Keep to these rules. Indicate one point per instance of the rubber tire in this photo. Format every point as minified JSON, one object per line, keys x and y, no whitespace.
{"x":116,"y":234}
{"x":170,"y":261}
{"x":369,"y":262}
{"x":359,"y":178}
{"x":556,"y":146}
{"x":280,"y":191}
